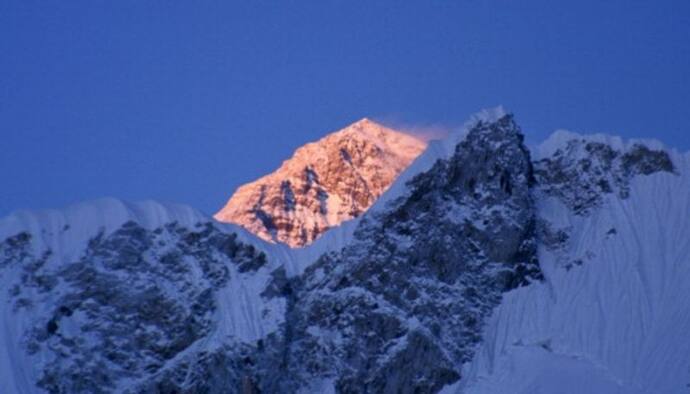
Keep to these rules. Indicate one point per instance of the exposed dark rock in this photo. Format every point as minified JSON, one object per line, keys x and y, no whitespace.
{"x":583,"y":172}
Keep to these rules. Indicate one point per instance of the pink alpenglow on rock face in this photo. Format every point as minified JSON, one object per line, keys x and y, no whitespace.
{"x":324,"y":183}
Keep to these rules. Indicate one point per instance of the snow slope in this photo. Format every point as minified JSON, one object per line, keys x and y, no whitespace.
{"x":616,"y":322}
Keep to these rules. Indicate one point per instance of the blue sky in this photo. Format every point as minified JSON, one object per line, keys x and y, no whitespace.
{"x":184,"y":101}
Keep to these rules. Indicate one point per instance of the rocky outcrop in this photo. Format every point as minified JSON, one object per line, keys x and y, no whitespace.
{"x":325,"y":183}
{"x":583,"y":172}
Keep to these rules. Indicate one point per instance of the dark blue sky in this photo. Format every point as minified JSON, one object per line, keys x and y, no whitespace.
{"x":184,"y":101}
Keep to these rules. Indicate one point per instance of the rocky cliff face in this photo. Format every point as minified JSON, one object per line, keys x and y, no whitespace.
{"x":325,"y":183}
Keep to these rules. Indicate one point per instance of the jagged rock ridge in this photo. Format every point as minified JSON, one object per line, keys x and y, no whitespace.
{"x":325,"y":183}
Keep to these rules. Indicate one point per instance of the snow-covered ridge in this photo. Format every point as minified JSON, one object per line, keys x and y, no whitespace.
{"x":559,"y":139}
{"x":76,"y":224}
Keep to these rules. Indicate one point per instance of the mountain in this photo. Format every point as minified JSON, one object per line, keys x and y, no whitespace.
{"x":486,"y":267}
{"x":323,"y":184}
{"x":611,"y":316}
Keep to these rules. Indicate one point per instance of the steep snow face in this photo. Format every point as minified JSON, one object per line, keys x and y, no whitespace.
{"x":325,"y":183}
{"x":612,"y":314}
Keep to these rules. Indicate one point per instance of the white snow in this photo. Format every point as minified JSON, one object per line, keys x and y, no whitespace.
{"x":620,"y":322}
{"x":66,"y":231}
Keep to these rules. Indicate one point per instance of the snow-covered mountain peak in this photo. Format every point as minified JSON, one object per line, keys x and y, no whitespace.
{"x":486,"y":267}
{"x":323,"y":184}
